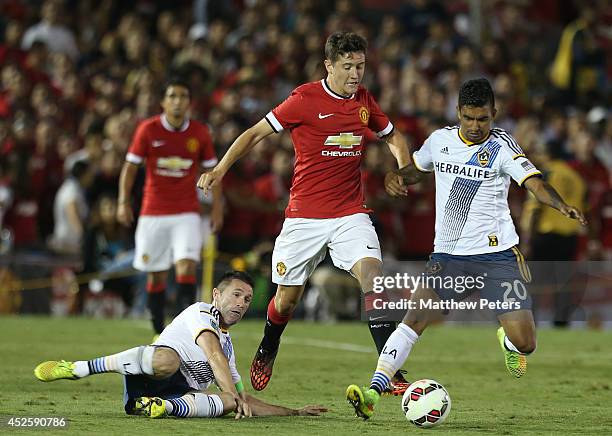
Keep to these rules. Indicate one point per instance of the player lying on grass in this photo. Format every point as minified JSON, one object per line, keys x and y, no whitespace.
{"x":475,"y":236}
{"x":171,"y":376}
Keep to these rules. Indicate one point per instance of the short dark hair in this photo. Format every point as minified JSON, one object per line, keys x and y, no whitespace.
{"x":176,"y":81}
{"x":341,"y":43}
{"x":79,"y":168}
{"x":477,"y":93}
{"x":228,"y":276}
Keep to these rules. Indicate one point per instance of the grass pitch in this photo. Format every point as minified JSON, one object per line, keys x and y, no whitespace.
{"x":568,"y":387}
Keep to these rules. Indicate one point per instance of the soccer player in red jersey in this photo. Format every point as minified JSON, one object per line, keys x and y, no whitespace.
{"x":175,"y":150}
{"x":328,"y":120}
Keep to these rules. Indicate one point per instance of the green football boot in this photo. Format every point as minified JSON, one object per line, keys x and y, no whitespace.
{"x":515,"y":362}
{"x":55,"y":370}
{"x":363,"y":401}
{"x":153,"y":407}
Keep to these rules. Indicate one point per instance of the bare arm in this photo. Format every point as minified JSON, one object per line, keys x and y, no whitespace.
{"x":547,"y":195}
{"x":261,"y":408}
{"x":399,"y":148}
{"x":126,"y":182}
{"x":209,"y":343}
{"x":241,"y":146}
{"x":407,"y":174}
{"x":216,"y":213}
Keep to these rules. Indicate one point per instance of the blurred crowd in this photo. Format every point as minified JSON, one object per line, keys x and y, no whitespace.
{"x":76,"y":76}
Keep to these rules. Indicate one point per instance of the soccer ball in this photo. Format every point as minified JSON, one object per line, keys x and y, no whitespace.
{"x":426,"y":403}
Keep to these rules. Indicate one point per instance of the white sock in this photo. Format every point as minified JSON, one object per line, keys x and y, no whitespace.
{"x":511,"y":347}
{"x":137,"y":360}
{"x":195,"y":405}
{"x":394,"y":354}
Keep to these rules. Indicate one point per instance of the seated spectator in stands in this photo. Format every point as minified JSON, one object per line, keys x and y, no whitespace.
{"x":108,"y":249}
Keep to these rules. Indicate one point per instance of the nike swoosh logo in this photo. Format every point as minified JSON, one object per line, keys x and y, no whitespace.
{"x":158,"y":143}
{"x":324,"y":116}
{"x":371,"y":248}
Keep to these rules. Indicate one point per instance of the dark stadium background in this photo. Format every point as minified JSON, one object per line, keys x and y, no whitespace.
{"x":80,"y":94}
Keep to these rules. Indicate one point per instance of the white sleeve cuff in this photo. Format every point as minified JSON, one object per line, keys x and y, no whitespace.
{"x":270,"y":118}
{"x":385,"y":131}
{"x":134,"y":158}
{"x":209,"y":163}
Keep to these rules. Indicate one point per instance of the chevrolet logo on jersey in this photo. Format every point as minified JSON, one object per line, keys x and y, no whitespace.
{"x":174,"y":163}
{"x":344,"y":140}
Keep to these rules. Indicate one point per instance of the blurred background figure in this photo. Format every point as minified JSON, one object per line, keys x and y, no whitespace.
{"x":77,"y":77}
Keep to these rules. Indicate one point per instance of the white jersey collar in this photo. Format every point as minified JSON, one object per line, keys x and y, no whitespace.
{"x":169,"y":127}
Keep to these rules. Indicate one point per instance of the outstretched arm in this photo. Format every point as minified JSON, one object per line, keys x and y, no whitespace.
{"x":241,"y":146}
{"x":209,"y":342}
{"x":261,"y":408}
{"x":547,"y":195}
{"x":407,"y":174}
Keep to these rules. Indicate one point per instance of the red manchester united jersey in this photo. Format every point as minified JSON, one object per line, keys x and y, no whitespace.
{"x":174,"y":158}
{"x":328,"y":133}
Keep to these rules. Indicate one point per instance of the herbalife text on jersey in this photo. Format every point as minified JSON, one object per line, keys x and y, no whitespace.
{"x":459,"y":284}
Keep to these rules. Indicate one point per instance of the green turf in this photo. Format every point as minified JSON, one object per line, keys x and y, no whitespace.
{"x":568,"y":388}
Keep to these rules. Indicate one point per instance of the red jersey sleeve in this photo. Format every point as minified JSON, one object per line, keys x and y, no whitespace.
{"x":139,"y":147}
{"x":378,"y":122}
{"x":208,"y":157}
{"x":288,"y":114}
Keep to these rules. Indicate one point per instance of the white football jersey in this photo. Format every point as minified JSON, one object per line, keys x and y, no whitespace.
{"x":472,"y":181}
{"x":181,"y":335}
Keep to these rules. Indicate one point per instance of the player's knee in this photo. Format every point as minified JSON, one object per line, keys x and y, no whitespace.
{"x":166,"y":362}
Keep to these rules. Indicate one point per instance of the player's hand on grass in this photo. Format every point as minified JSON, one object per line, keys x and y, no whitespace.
{"x":573,"y":213}
{"x":210,"y":179}
{"x":243,"y":410}
{"x":312,"y":410}
{"x":394,"y":185}
{"x":125,"y":215}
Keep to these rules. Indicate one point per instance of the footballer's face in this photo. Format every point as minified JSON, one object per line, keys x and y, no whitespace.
{"x":475,"y":121}
{"x":176,"y":102}
{"x":345,"y":74}
{"x":233,"y":301}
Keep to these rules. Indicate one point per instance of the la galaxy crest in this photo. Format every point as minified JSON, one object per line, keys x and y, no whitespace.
{"x":483,"y":157}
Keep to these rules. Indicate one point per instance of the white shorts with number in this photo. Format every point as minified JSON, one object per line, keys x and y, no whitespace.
{"x":162,"y":240}
{"x":303,"y":243}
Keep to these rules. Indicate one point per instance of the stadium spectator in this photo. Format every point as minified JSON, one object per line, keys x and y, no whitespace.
{"x":171,"y":377}
{"x":326,"y":208}
{"x":175,"y":150}
{"x":51,"y":31}
{"x":551,"y":239}
{"x":517,"y":44}
{"x":108,"y":249}
{"x":70,"y":211}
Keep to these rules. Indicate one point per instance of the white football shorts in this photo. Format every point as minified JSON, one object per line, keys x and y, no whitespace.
{"x":162,"y":240}
{"x":303,"y":243}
